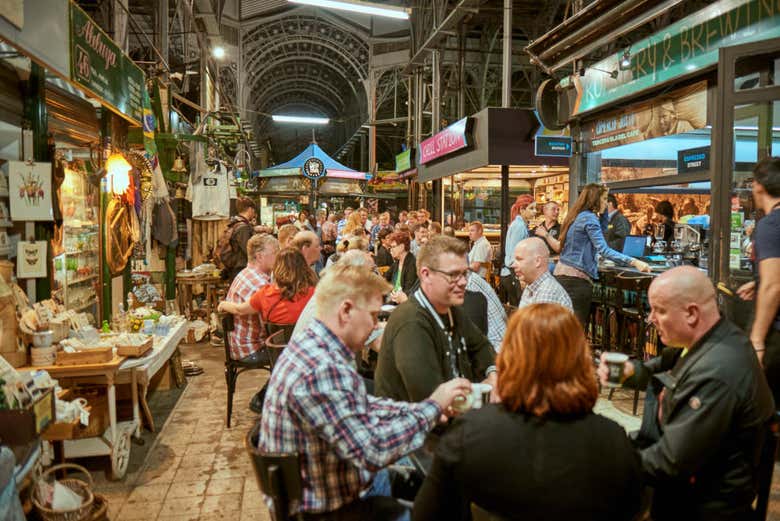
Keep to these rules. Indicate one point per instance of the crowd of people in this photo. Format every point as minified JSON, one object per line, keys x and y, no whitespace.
{"x":537,"y":450}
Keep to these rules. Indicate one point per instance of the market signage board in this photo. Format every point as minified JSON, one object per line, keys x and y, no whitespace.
{"x":99,"y":66}
{"x":451,"y":139}
{"x":314,"y":168}
{"x":693,"y":160}
{"x":682,"y":48}
{"x":554,"y":146}
{"x":677,"y":112}
{"x":403,"y":161}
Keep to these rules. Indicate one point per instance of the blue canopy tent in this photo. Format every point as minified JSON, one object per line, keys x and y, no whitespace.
{"x":294,"y":166}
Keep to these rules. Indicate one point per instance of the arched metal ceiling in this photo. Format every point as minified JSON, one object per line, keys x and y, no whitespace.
{"x":305,"y":60}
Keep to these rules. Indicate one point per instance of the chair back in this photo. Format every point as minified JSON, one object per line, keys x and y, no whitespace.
{"x":278,"y":476}
{"x":228,"y":325}
{"x":272,"y":328}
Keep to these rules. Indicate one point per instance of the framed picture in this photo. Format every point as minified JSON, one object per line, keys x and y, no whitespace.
{"x":31,"y":259}
{"x":30,"y":191}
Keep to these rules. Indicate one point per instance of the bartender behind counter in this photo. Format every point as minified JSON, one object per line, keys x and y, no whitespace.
{"x":665,"y":215}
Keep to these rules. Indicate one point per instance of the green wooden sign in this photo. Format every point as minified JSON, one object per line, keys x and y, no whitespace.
{"x":403,"y":161}
{"x":100,"y":66}
{"x":683,"y":48}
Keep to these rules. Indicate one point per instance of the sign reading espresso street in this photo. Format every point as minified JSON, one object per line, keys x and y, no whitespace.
{"x":100,"y":66}
{"x":449,"y":140}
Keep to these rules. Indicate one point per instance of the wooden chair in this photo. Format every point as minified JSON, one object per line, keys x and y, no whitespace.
{"x":235,"y":367}
{"x":277,"y":337}
{"x":765,"y":468}
{"x":278,"y":476}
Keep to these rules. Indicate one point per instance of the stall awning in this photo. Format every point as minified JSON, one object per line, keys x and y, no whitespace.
{"x":295,"y":166}
{"x":500,"y":137}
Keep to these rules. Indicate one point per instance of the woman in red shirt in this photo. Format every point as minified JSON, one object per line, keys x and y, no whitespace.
{"x":283,"y":300}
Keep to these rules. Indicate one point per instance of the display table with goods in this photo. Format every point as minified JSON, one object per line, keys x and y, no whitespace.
{"x":65,"y":346}
{"x":205,"y":275}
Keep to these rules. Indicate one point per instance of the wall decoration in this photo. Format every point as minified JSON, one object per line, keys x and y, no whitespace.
{"x":30,"y":187}
{"x":31,"y":259}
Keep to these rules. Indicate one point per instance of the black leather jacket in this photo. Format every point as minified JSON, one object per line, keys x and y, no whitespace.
{"x":715,"y":410}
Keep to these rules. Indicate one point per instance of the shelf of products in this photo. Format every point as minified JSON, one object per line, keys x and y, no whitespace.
{"x":552,"y":188}
{"x":77,"y":268}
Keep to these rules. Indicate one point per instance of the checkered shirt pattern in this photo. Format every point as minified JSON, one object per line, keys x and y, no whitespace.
{"x":247,"y":337}
{"x":495,"y":311}
{"x":545,"y":289}
{"x":317,"y":406}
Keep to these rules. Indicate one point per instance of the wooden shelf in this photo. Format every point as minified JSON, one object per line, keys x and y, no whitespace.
{"x":80,"y":252}
{"x":79,"y":280}
{"x":84,"y":306}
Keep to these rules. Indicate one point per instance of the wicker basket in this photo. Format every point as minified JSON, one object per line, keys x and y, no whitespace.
{"x":99,"y":509}
{"x":82,"y":488}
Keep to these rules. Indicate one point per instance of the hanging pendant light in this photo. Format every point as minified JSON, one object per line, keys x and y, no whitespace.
{"x":118,"y":173}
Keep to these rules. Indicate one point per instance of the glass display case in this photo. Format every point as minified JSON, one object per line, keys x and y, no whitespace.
{"x":77,"y":263}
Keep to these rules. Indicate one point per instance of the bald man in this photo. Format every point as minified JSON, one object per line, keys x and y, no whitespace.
{"x":309,"y":245}
{"x":530,"y":265}
{"x":708,"y":405}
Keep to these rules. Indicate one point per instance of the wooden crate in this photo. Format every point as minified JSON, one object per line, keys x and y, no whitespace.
{"x":135,"y":350}
{"x":98,"y":355}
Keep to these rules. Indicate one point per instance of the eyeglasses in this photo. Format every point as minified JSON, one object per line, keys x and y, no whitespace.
{"x":453,"y":276}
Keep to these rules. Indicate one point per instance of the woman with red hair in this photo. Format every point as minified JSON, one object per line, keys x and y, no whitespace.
{"x":509,"y":287}
{"x":541,"y":453}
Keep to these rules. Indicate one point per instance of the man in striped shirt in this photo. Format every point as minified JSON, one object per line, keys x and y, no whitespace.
{"x":317,"y":406}
{"x":246,"y":340}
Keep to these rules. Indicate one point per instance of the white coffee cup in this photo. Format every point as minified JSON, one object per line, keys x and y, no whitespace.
{"x":475,"y":399}
{"x":615,"y":364}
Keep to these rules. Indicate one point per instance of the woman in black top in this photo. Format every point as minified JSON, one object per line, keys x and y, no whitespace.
{"x":382,"y":255}
{"x":665,"y":212}
{"x":403,"y":273}
{"x":541,"y":453}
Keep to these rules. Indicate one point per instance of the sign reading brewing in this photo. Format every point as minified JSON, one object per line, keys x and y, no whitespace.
{"x":313,"y":168}
{"x":449,"y":140}
{"x":100,"y":66}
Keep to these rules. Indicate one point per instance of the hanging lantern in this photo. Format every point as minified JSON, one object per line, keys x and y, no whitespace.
{"x":118,"y":173}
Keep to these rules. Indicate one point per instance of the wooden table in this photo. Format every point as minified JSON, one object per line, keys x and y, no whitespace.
{"x":115,"y":442}
{"x":140,"y":371}
{"x":184,"y":292}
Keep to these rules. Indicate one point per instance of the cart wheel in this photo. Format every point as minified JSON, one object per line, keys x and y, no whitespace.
{"x":120,"y":456}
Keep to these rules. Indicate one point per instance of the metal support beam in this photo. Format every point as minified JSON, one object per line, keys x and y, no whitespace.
{"x":440,"y":32}
{"x":506,"y":68}
{"x":462,"y":72}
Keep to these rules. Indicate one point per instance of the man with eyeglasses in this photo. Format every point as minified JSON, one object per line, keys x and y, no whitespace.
{"x":428,"y":339}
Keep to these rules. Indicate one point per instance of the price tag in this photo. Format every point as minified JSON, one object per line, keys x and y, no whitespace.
{"x":84,"y":418}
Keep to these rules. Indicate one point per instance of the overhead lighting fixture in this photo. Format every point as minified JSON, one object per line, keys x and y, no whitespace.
{"x":218,"y":52}
{"x":357,"y":6}
{"x":307,"y":120}
{"x":625,"y":60}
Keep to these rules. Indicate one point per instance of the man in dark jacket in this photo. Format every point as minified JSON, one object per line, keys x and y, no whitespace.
{"x":242,"y":229}
{"x":701,"y":441}
{"x":428,"y":339}
{"x":618,"y":227}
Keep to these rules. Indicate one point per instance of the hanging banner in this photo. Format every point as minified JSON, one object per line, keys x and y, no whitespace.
{"x":687,"y":46}
{"x":404,"y":160}
{"x":100,"y":66}
{"x":677,"y":112}
{"x":451,"y":139}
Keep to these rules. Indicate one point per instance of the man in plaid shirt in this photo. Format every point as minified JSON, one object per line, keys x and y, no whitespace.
{"x":532,"y":267}
{"x":496,"y":316}
{"x":246,"y":340}
{"x":317,"y":405}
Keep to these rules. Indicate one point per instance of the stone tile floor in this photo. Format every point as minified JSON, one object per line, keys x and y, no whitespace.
{"x":198,"y":469}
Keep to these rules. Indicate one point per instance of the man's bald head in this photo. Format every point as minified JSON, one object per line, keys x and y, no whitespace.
{"x":683,"y":305}
{"x":531,"y":259}
{"x":684,"y":285}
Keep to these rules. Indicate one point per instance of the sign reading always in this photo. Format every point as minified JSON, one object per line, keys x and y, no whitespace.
{"x":693,"y":160}
{"x":313,"y":168}
{"x":678,"y":112}
{"x":449,"y":140}
{"x":403,"y":161}
{"x":556,"y":146}
{"x":684,"y":47}
{"x":100,"y":66}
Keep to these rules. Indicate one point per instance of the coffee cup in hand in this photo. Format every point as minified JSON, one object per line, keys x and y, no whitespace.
{"x":480,"y":395}
{"x":616,"y":363}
